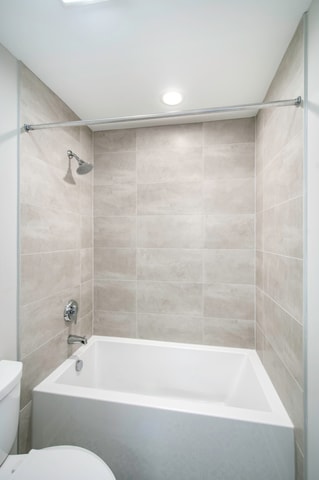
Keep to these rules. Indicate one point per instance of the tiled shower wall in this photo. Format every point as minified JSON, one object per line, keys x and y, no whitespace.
{"x":174,"y":230}
{"x":55,"y":238}
{"x":279,"y":168}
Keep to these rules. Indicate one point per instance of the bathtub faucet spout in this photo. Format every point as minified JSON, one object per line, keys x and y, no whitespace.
{"x":77,"y":339}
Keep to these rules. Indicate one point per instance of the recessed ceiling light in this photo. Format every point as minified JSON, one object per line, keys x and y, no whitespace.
{"x":81,"y":2}
{"x":172,"y":98}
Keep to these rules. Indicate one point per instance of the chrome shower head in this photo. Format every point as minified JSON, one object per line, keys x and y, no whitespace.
{"x":83,"y":167}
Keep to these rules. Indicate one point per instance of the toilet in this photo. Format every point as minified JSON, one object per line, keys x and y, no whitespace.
{"x":59,"y":462}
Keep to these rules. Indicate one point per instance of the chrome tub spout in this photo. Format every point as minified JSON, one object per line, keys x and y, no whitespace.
{"x":77,"y":339}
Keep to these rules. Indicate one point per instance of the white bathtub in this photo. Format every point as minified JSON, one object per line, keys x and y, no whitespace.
{"x":165,"y":411}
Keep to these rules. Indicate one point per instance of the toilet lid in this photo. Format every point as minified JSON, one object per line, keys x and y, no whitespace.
{"x":62,"y":463}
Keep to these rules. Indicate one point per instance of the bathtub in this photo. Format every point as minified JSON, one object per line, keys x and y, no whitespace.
{"x":167,"y":411}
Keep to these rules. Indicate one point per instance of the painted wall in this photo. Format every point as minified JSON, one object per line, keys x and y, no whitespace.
{"x":174,"y":214}
{"x":312,"y":228}
{"x":55,"y":238}
{"x":8,"y":204}
{"x":279,"y":167}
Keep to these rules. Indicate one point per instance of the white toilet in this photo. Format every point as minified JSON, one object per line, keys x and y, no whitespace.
{"x":62,"y":463}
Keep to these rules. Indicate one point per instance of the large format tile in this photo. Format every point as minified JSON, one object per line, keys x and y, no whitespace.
{"x":175,"y":265}
{"x":229,"y":161}
{"x":230,"y":231}
{"x":283,"y":228}
{"x":169,"y":199}
{"x":283,"y":281}
{"x":115,"y":168}
{"x":229,"y":266}
{"x":44,"y":274}
{"x":44,"y":186}
{"x":43,"y":319}
{"x":47,"y":230}
{"x":231,"y":196}
{"x":115,"y":232}
{"x":171,"y":328}
{"x":114,"y":200}
{"x":170,"y":231}
{"x":115,"y":263}
{"x":229,"y":131}
{"x":114,"y":296}
{"x":115,"y":324}
{"x":229,"y":301}
{"x":285,"y":336}
{"x":283,"y":178}
{"x":169,"y":137}
{"x":224,"y":332}
{"x":40,"y":363}
{"x":114,"y":141}
{"x":163,"y":166}
{"x":169,"y":298}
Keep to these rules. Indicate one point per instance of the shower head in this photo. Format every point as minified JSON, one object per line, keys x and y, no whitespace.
{"x":83,"y":167}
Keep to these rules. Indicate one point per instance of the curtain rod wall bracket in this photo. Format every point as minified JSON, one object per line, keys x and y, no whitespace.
{"x":296,"y":102}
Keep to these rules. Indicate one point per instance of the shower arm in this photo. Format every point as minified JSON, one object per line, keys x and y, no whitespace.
{"x":294,"y":102}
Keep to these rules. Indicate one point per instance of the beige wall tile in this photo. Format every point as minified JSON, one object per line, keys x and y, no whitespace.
{"x":286,"y":337}
{"x":283,"y":228}
{"x":115,"y":324}
{"x":163,"y":166}
{"x":115,"y":141}
{"x":48,"y":273}
{"x":169,"y":265}
{"x":230,"y":231}
{"x":115,"y":200}
{"x":114,"y":296}
{"x":173,"y":328}
{"x":229,"y":333}
{"x":169,"y":298}
{"x":55,"y":223}
{"x":44,"y":186}
{"x":283,"y":178}
{"x":260,"y":269}
{"x":43,"y":319}
{"x":41,"y":363}
{"x":173,"y":136}
{"x":170,"y":231}
{"x":229,"y":301}
{"x":115,"y":263}
{"x":260,"y":317}
{"x":229,"y":161}
{"x":86,"y":231}
{"x":283,"y":281}
{"x":86,"y":302}
{"x":229,"y":266}
{"x":115,"y":232}
{"x":288,"y":389}
{"x":43,"y":145}
{"x":115,"y":168}
{"x":86,"y":193}
{"x":259,"y":231}
{"x":86,"y":264}
{"x":169,"y":199}
{"x":231,"y":196}
{"x":47,"y":230}
{"x":229,"y":131}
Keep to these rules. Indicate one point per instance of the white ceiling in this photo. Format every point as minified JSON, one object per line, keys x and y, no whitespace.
{"x":116,"y":58}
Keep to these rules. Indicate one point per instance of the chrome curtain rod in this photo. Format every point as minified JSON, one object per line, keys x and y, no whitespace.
{"x":296,"y":102}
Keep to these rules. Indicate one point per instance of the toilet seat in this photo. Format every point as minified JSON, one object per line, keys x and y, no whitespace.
{"x":62,"y":463}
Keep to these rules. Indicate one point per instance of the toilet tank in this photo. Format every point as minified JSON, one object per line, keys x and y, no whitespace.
{"x":10,"y":376}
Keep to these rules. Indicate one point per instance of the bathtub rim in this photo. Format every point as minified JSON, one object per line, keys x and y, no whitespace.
{"x":276,"y":417}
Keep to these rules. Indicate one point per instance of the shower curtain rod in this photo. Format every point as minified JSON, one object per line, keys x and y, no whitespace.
{"x":296,"y":102}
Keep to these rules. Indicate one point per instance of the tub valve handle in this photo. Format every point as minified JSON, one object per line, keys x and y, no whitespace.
{"x":71,"y":311}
